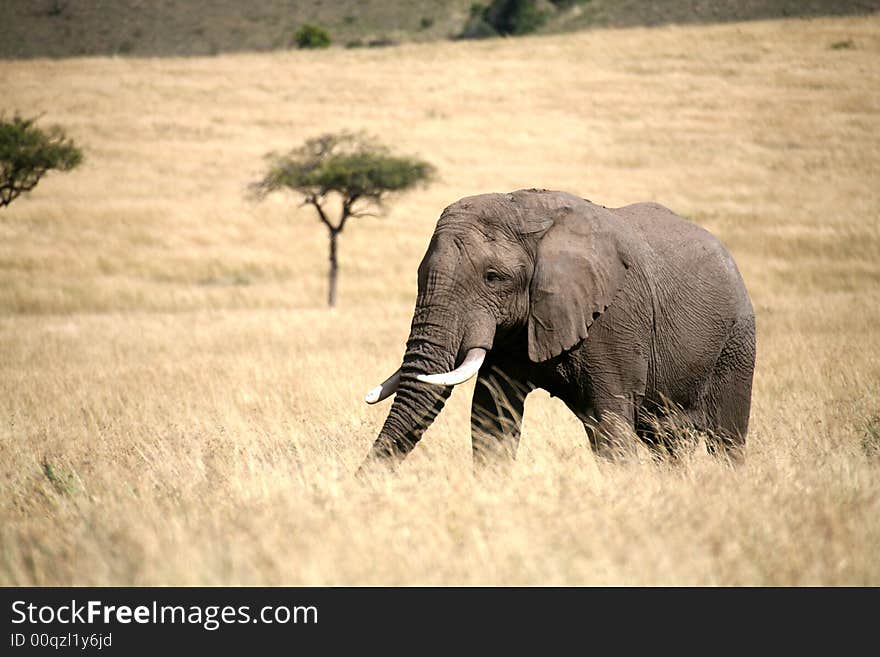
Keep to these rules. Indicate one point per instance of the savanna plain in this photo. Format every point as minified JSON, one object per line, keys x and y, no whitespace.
{"x":178,"y":405}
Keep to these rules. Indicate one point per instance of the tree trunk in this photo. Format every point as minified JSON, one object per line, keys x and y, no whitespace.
{"x":334,"y":269}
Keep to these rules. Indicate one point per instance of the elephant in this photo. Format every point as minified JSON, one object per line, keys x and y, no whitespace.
{"x":624,"y":314}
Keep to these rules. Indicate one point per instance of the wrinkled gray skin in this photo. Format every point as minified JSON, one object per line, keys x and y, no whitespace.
{"x":621,"y":313}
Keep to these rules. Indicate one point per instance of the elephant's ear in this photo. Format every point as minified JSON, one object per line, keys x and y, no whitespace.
{"x":577,"y":273}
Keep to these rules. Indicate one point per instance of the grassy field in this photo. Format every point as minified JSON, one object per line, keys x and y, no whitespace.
{"x":177,"y":406}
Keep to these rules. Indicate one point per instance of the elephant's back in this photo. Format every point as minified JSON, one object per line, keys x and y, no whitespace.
{"x":690,"y":255}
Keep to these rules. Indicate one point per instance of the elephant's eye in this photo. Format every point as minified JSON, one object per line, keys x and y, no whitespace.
{"x":493,"y":276}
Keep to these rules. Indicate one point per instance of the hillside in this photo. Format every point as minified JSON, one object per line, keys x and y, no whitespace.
{"x":64,"y":28}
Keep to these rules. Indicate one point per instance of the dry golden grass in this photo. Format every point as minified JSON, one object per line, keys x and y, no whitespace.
{"x":178,"y":407}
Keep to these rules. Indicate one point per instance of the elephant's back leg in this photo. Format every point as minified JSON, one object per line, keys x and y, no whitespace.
{"x":729,"y":391}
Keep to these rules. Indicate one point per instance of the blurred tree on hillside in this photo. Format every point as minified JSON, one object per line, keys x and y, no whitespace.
{"x":27,"y":153}
{"x":504,"y":18}
{"x":353,"y":168}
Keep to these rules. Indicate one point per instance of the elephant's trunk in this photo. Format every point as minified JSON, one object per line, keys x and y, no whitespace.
{"x":439,"y":340}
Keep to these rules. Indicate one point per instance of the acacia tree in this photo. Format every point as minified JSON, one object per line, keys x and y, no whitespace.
{"x":27,"y":153}
{"x":351,"y":167}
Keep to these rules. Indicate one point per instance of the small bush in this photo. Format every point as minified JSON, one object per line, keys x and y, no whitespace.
{"x":426,"y":23}
{"x":63,"y":482}
{"x":356,"y":43}
{"x":312,"y":36}
{"x":842,"y":45}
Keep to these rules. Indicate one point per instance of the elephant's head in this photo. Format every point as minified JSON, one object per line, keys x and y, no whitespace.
{"x":532,"y":267}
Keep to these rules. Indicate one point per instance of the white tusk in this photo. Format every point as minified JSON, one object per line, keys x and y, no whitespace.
{"x":469,"y":366}
{"x":384,"y":390}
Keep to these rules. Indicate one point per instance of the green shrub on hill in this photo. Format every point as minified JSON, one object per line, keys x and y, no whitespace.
{"x":312,"y":36}
{"x":504,"y":18}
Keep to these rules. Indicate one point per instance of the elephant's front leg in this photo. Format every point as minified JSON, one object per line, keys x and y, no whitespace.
{"x":611,"y":428}
{"x":612,"y":389}
{"x":496,"y":416}
{"x":611,"y":437}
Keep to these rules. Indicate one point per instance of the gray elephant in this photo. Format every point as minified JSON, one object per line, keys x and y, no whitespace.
{"x":621,"y":313}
